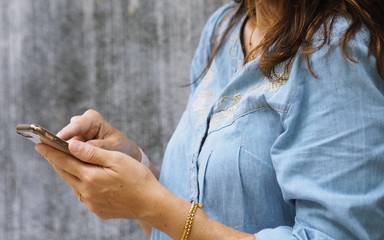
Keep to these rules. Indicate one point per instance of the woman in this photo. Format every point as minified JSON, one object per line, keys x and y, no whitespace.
{"x":281,"y":138}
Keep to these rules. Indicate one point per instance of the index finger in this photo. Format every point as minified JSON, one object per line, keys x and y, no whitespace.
{"x":61,"y":160}
{"x":86,"y":126}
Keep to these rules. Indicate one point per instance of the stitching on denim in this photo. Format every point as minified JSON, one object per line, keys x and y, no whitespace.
{"x":277,"y":109}
{"x":236,"y":118}
{"x":290,"y":105}
{"x":201,"y":101}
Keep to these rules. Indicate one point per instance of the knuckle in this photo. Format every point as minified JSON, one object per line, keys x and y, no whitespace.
{"x":45,"y":153}
{"x":102,"y":216}
{"x":98,"y":211}
{"x":91,"y":153}
{"x":86,"y":197}
{"x":93,"y":208}
{"x":88,"y":178}
{"x":91,"y":113}
{"x":74,"y":119}
{"x":75,"y":123}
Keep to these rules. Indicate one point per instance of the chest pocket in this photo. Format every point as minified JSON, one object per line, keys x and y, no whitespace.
{"x":230,"y":108}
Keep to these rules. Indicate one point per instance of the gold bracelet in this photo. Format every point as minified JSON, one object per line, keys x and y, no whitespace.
{"x":191,"y":216}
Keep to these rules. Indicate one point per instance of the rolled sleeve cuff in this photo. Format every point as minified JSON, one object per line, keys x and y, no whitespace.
{"x":144,"y":159}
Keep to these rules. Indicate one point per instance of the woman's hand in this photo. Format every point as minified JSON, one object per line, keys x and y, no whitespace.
{"x":111,"y":184}
{"x":92,"y":128}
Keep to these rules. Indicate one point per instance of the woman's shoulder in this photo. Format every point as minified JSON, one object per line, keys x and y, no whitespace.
{"x":336,"y":29}
{"x":214,"y":25}
{"x":224,"y":10}
{"x":333,"y":55}
{"x":216,"y":20}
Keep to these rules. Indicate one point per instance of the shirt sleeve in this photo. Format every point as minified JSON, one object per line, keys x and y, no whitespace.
{"x":204,"y":49}
{"x":329,"y":160}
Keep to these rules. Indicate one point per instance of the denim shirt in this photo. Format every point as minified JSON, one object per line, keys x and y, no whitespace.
{"x":295,"y":158}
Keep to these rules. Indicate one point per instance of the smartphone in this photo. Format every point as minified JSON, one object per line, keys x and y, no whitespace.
{"x":38,"y":134}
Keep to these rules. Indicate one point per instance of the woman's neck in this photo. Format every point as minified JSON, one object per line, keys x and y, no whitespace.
{"x":258,"y":24}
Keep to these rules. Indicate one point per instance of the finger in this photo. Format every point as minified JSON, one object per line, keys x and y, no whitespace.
{"x":70,"y":179}
{"x":118,"y":142}
{"x":107,"y":144}
{"x":61,"y":160}
{"x":71,"y":130}
{"x":91,"y":154}
{"x":87,"y":125}
{"x":98,"y":143}
{"x":79,"y":138}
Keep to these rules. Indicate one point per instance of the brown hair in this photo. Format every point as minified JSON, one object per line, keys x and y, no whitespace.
{"x":300,"y":21}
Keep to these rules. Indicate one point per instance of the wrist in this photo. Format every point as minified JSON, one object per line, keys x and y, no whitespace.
{"x":171,"y":214}
{"x":146,"y":162}
{"x":189,"y":221}
{"x":167,"y":213}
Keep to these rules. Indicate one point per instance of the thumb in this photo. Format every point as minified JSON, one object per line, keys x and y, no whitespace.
{"x":88,"y":153}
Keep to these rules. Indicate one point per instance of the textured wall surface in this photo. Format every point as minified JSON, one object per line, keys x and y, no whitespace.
{"x":125,"y":58}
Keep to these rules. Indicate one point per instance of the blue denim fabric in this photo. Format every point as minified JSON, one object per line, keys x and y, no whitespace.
{"x":298,"y":158}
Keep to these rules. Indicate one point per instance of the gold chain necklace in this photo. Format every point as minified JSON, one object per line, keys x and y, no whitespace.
{"x":252,"y":54}
{"x":250,"y":37}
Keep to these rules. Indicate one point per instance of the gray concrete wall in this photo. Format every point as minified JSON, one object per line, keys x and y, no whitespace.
{"x":125,"y":58}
